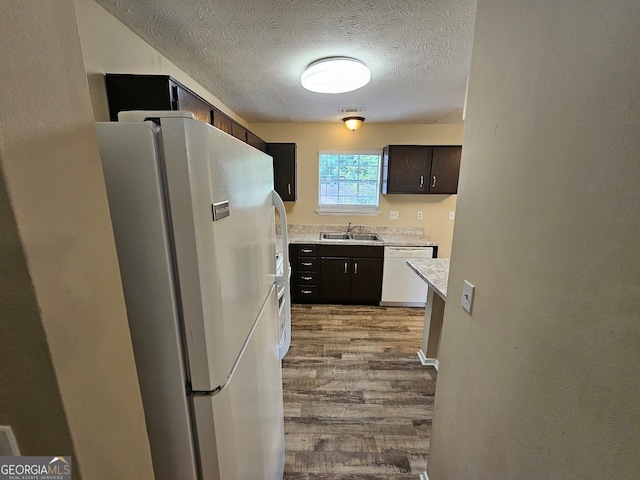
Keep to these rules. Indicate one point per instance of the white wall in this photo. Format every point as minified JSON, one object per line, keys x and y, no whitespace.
{"x":66,"y":290}
{"x":108,"y":46}
{"x":541,"y":381}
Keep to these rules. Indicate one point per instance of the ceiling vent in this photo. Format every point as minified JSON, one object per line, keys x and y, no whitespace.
{"x":351,"y":110}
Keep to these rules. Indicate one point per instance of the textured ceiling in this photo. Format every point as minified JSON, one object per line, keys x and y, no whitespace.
{"x":250,"y":53}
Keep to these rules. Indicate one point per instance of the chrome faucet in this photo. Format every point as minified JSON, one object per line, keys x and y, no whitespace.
{"x":349,"y":227}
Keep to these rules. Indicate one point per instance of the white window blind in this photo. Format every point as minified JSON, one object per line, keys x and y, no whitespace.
{"x":348,"y":182}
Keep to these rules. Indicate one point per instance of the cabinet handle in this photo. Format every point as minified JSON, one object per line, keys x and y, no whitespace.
{"x":306,"y":292}
{"x":355,"y":271}
{"x":421,"y":181}
{"x":433,"y":184}
{"x":306,"y":278}
{"x":307,"y":264}
{"x":175,"y":104}
{"x":289,"y":185}
{"x":306,"y":250}
{"x":345,"y":267}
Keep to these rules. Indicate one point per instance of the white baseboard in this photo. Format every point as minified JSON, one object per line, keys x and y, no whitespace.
{"x":423,"y":476}
{"x":428,"y":362}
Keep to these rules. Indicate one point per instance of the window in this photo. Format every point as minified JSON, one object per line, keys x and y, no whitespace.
{"x":349,"y":182}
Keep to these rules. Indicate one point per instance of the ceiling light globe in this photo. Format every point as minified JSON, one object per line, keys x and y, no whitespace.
{"x":335,"y":75}
{"x":353,"y":123}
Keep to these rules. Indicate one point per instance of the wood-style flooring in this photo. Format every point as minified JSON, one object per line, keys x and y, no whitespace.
{"x":358,"y":403}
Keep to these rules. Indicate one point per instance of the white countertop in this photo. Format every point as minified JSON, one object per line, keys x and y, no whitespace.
{"x":391,"y":236}
{"x":434,"y":271}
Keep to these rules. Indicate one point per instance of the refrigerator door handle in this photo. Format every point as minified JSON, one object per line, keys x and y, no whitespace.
{"x":219,"y":388}
{"x":279,"y":204}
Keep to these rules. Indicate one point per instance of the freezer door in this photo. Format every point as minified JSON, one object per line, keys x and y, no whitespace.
{"x":240,"y":431}
{"x":133,"y":178}
{"x":226,"y":263}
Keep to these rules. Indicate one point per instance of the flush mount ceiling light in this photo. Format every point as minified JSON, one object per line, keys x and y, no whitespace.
{"x":335,"y":75}
{"x":353,"y":123}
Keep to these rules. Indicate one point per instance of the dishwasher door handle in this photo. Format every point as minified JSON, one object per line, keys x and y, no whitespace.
{"x":408,"y":252}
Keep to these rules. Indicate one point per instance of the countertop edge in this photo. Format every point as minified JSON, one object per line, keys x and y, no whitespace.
{"x":438,"y":288}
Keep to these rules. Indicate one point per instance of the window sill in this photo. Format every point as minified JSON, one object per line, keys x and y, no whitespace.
{"x":346,"y":212}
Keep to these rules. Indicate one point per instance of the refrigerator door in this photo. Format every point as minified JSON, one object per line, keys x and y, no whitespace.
{"x":222,"y":216}
{"x":282,"y":280}
{"x":133,"y":178}
{"x":247,"y":442}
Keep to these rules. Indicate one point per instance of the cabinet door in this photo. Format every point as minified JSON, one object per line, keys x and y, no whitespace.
{"x":256,"y":142}
{"x":221,"y":121}
{"x":406,"y":169}
{"x":445,"y":168}
{"x":239,"y":132}
{"x":189,"y":102}
{"x":284,"y":169}
{"x":366,"y":280}
{"x":137,"y":92}
{"x":335,"y":278}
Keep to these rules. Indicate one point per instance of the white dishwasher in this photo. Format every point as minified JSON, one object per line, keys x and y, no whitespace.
{"x":401,"y":286}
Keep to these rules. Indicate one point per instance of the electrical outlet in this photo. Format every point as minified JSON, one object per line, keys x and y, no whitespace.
{"x":393,"y":215}
{"x":419,"y":215}
{"x":467,"y":296}
{"x":452,"y":215}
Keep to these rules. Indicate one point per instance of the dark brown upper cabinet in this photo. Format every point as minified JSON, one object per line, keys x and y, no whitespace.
{"x":152,"y":92}
{"x":221,"y":121}
{"x":239,"y":132}
{"x":284,"y":169}
{"x":420,"y":169}
{"x":161,"y":92}
{"x":445,"y":170}
{"x":256,"y":142}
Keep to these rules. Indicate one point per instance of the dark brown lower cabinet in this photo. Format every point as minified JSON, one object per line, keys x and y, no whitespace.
{"x":350,"y":274}
{"x":351,"y":280}
{"x":335,"y":278}
{"x":366,"y":280}
{"x":336,"y":273}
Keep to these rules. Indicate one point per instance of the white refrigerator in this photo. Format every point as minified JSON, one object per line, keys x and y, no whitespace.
{"x":192,"y":213}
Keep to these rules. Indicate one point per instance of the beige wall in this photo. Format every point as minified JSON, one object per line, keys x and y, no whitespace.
{"x":541,"y":381}
{"x":108,"y":46}
{"x":70,"y":359}
{"x":310,"y":138}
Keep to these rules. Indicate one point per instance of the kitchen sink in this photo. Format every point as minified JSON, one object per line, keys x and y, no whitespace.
{"x":366,"y":236}
{"x":350,"y":236}
{"x":334,"y":236}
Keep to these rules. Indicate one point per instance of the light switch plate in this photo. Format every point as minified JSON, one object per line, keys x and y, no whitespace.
{"x":467,"y":296}
{"x":393,"y":215}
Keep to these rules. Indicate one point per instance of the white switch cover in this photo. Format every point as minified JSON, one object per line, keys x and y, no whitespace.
{"x":452,"y":215}
{"x":8,"y":444}
{"x":419,"y":215}
{"x":467,"y":296}
{"x":393,"y":215}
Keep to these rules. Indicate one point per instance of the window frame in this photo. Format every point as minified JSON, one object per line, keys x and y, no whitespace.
{"x":350,"y":209}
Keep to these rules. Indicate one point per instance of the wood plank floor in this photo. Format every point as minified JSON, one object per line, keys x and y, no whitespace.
{"x":358,"y":403}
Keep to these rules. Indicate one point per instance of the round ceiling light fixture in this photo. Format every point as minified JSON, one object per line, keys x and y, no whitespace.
{"x":335,"y":75}
{"x":353,"y":123}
